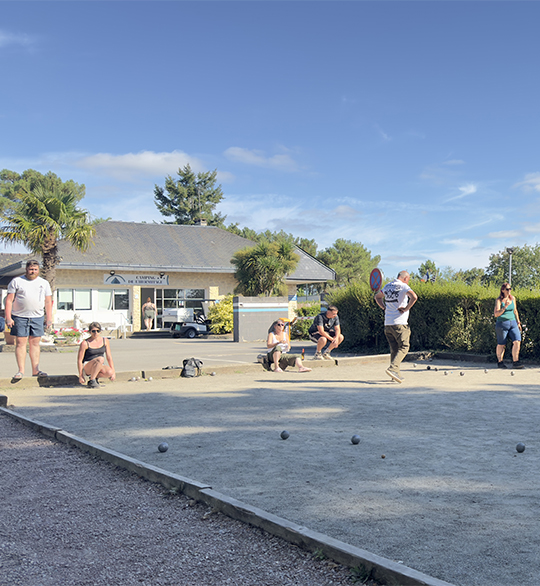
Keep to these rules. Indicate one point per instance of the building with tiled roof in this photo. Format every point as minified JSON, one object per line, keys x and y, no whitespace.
{"x":181,"y":268}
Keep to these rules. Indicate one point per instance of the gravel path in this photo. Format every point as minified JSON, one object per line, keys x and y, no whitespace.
{"x":68,"y":518}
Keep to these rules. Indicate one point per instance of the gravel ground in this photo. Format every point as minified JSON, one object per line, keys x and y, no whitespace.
{"x":69,"y":518}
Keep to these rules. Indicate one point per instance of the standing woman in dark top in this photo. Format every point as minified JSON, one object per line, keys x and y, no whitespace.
{"x":508,"y":325}
{"x":91,"y":357}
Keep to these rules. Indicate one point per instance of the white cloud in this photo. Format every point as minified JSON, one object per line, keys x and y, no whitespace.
{"x":465,"y":190}
{"x":463,"y":243}
{"x":530,"y":183}
{"x":462,"y":253}
{"x":468,"y":189}
{"x":135,"y":207}
{"x":505,"y":234}
{"x":534,"y":228}
{"x":22,"y":40}
{"x":344,"y":211}
{"x":259,"y":159}
{"x":144,"y":163}
{"x":454,"y":162}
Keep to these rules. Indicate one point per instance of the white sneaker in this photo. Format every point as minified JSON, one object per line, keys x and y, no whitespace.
{"x":327,"y":356}
{"x":318,"y":356}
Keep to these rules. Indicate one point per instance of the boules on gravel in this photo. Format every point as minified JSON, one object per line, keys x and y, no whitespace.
{"x":355,"y":439}
{"x":284,"y":434}
{"x":163,"y":447}
{"x":520,"y":447}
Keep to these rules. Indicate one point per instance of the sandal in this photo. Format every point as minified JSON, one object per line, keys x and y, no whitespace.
{"x":40,"y":373}
{"x":18,"y":376}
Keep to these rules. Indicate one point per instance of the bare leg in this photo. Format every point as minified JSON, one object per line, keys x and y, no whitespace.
{"x":301,"y":367}
{"x":277,"y":356}
{"x":93,"y":367}
{"x":500,"y":352}
{"x":335,"y":343}
{"x":516,"y":346}
{"x":20,"y":352}
{"x":34,"y":351}
{"x":321,"y":343}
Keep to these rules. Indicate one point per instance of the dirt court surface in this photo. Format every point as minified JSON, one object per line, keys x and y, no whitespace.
{"x":451,"y":497}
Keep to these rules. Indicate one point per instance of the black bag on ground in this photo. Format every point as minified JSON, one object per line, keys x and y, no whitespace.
{"x":192,"y":367}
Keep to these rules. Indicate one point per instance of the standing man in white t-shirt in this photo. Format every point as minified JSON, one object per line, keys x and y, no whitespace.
{"x":28,"y":299}
{"x":396,"y":298}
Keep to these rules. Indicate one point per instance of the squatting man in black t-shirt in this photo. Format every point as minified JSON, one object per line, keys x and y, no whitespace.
{"x":326,"y":330}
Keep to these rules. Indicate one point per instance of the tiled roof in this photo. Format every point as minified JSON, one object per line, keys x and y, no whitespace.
{"x":158,"y":246}
{"x":8,"y":259}
{"x":173,"y":247}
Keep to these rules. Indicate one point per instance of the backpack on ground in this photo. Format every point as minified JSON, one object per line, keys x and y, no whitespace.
{"x":263,"y":359}
{"x":192,"y":367}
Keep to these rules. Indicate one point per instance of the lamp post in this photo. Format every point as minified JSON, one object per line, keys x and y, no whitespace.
{"x":510,"y":252}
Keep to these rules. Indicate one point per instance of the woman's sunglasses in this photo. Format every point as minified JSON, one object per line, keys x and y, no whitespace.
{"x":95,"y":331}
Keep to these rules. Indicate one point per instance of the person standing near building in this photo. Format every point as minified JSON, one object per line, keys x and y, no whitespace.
{"x":397,"y":298}
{"x":29,"y":299}
{"x":149,"y":313}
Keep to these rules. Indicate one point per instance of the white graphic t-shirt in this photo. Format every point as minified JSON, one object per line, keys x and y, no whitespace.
{"x":395,"y":296}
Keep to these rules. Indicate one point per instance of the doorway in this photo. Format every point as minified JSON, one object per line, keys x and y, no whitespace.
{"x":147,"y":292}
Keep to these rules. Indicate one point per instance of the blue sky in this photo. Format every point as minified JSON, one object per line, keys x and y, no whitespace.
{"x":412,"y":127}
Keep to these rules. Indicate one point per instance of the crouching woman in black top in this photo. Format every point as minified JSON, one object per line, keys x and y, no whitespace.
{"x":91,"y":357}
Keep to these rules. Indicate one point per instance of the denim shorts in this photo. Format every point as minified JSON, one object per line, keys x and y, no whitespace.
{"x":27,"y":326}
{"x":507,"y":328}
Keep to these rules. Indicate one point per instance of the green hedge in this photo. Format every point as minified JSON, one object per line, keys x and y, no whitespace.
{"x":299,"y":330}
{"x":452,"y":316}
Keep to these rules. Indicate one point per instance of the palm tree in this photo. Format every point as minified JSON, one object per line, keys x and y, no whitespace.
{"x":41,"y":217}
{"x":261,"y":270}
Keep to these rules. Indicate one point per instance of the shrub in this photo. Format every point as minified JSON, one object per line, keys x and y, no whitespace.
{"x":447,"y":316}
{"x":299,"y":330}
{"x":221,"y":316}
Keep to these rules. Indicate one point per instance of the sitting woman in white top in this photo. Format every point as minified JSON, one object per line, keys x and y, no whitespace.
{"x":278,"y":345}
